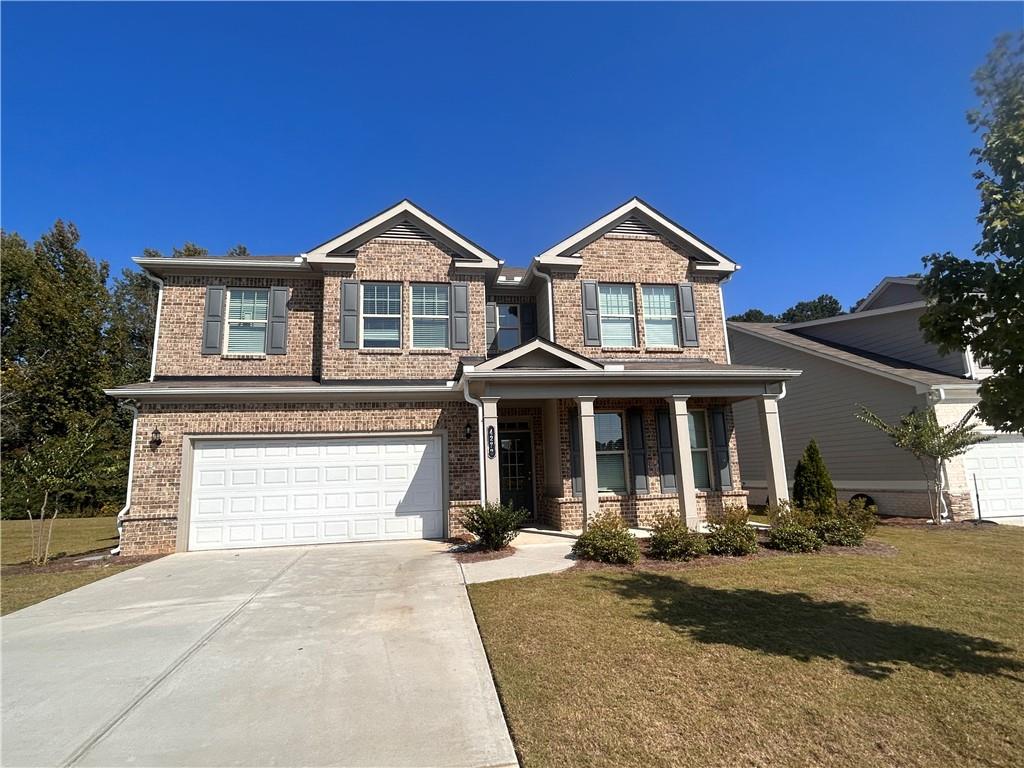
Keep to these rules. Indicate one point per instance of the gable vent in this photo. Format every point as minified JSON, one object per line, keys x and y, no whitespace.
{"x":406,"y":230}
{"x":632,"y":227}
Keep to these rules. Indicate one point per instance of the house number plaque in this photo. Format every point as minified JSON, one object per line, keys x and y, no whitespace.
{"x":490,"y":443}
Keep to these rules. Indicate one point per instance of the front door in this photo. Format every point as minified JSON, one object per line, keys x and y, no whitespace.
{"x":515,"y":461}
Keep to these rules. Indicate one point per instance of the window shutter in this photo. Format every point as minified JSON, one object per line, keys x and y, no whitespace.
{"x":460,"y":315}
{"x":277,"y":321}
{"x":213,"y":319}
{"x":591,"y":314}
{"x":492,"y":325}
{"x":637,"y":451}
{"x":527,"y":322}
{"x":666,"y":459}
{"x":349,"y":331}
{"x":574,"y":453}
{"x":688,"y":315}
{"x":720,"y":449}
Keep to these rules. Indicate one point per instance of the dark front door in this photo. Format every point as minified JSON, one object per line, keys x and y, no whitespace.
{"x":515,"y":461}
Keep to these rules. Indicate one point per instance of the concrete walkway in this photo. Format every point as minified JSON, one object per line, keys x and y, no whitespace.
{"x":536,"y":553}
{"x":349,"y":655}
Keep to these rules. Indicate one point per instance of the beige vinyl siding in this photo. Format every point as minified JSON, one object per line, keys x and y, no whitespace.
{"x":820,"y":404}
{"x":897,"y":335}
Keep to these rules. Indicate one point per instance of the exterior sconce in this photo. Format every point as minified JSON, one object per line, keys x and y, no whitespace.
{"x":155,"y":439}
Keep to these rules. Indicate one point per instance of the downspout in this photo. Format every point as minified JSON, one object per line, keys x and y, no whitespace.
{"x":725,"y":327}
{"x":480,"y":437}
{"x":156,"y":327}
{"x":131,"y":470}
{"x":551,"y":301}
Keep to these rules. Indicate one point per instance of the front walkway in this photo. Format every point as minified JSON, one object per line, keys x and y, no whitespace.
{"x":535,"y":553}
{"x":351,"y":654}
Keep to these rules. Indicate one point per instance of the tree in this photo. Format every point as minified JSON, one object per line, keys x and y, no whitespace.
{"x":931,"y":444}
{"x":825,"y":305}
{"x":238,"y":252}
{"x":812,"y":484}
{"x":130,"y":332}
{"x":978,"y":304}
{"x":187,"y":251}
{"x":755,"y":316}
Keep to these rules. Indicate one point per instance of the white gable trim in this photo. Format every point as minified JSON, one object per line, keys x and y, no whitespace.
{"x":576,"y":361}
{"x":565,"y":251}
{"x":855,"y":315}
{"x":387,"y":219}
{"x":880,"y":288}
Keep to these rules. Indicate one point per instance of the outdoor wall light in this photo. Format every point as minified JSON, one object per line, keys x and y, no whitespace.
{"x":155,"y":440}
{"x":469,"y":430}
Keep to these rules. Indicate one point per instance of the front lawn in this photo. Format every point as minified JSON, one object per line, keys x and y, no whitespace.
{"x":22,"y":585}
{"x":912,"y":659}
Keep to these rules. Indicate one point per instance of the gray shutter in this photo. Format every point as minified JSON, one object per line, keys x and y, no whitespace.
{"x":527,"y":322}
{"x":591,"y":314}
{"x":666,"y":459}
{"x":574,"y":453}
{"x":460,"y":316}
{"x":277,"y":324}
{"x":492,"y":326}
{"x":349,"y":331}
{"x":213,"y":319}
{"x":688,"y":315}
{"x":637,"y":451}
{"x":720,"y":449}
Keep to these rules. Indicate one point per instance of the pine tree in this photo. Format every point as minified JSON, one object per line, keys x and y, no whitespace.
{"x":812,"y":484}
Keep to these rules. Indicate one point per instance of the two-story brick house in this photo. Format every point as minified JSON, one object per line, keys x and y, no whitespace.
{"x":380,"y":383}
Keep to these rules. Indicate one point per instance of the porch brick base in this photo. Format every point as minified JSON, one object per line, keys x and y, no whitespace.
{"x":148,"y":535}
{"x":566,"y":514}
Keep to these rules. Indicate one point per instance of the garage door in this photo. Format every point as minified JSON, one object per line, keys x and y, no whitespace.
{"x":275,"y":492}
{"x":995,"y":475}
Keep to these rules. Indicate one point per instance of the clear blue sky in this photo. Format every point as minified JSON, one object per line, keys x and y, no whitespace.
{"x":820,"y":145}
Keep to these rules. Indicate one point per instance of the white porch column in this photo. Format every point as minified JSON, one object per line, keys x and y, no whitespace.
{"x":588,"y":459}
{"x":771,"y":441}
{"x":492,"y":477}
{"x":685,"y":484}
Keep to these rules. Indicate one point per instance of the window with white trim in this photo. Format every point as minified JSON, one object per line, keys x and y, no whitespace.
{"x":382,"y":315}
{"x":610,"y":442}
{"x":247,"y":321}
{"x":661,"y":315}
{"x":700,"y":453}
{"x":430,"y":316}
{"x":618,"y":315}
{"x":508,"y":327}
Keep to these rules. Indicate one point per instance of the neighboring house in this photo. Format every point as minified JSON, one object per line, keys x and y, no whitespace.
{"x":877,"y":357}
{"x":381,"y":383}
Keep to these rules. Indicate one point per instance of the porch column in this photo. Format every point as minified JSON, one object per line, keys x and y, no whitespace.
{"x":771,"y":440}
{"x":685,"y":485}
{"x":588,"y":459}
{"x":492,"y":477}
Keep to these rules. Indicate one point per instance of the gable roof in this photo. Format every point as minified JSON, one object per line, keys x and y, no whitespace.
{"x":404,"y":220}
{"x":883,"y":286}
{"x":638,"y":217}
{"x":564,"y":358}
{"x":919,"y":377}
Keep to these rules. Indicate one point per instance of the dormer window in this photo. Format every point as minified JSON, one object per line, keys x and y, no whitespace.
{"x":248,"y":309}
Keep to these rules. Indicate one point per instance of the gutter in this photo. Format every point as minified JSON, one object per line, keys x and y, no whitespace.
{"x":551,"y":300}
{"x":317,"y":390}
{"x":725,"y":327}
{"x":480,"y":440}
{"x":131,"y":471}
{"x":607,"y":374}
{"x":156,"y":328}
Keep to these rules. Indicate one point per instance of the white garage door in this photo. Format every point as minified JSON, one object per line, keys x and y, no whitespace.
{"x":996,"y":469}
{"x":274,"y":492}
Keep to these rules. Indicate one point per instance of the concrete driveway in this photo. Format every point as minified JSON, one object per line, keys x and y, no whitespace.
{"x":353,"y":654}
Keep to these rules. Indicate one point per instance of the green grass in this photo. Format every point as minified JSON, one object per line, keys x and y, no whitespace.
{"x":24,"y":586}
{"x":915,"y":659}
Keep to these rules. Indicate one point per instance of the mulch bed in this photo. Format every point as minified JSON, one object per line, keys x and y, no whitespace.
{"x":69,"y":563}
{"x":468,"y":553}
{"x":926,"y":522}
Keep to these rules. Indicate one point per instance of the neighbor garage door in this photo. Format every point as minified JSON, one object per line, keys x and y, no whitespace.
{"x":995,"y":475}
{"x":274,"y":492}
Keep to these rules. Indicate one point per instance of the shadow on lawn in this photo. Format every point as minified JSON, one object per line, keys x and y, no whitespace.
{"x":796,"y":625}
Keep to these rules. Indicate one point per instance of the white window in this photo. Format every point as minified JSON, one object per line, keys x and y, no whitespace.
{"x":699,"y":452}
{"x":618,"y":315}
{"x":382,"y":315}
{"x":611,"y":452}
{"x":247,"y":321}
{"x":430,"y":316}
{"x":661,"y":315}
{"x":508,"y":327}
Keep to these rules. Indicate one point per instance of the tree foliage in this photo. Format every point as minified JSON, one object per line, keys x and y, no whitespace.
{"x":812,"y":484}
{"x":825,"y":305}
{"x":979,"y":303}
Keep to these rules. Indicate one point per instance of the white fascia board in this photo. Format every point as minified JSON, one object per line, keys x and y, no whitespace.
{"x":376,"y":392}
{"x":581,"y":363}
{"x":855,"y":315}
{"x":299,"y":263}
{"x":881,"y":287}
{"x":770,"y":374}
{"x":635,"y":205}
{"x":407,"y":208}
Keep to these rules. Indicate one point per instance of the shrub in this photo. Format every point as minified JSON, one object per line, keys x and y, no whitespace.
{"x":786,"y":512}
{"x":812,"y":484}
{"x":607,"y":540}
{"x":839,"y":531}
{"x":793,"y":537}
{"x":858,"y":510}
{"x":729,"y":534}
{"x":672,"y":540}
{"x":493,"y":524}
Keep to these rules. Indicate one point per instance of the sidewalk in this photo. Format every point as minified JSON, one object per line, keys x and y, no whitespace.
{"x":536,"y":553}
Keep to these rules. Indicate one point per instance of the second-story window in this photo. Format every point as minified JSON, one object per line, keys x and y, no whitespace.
{"x":430,"y":314}
{"x":382,"y":315}
{"x":508,"y":327}
{"x":661,"y":315}
{"x":618,"y":315}
{"x":247,"y":321}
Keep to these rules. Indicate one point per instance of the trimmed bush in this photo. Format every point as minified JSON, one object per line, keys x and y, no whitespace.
{"x":793,"y":537}
{"x":839,"y":531}
{"x":672,"y":540}
{"x":607,"y":540}
{"x":858,"y":510}
{"x":494,"y":525}
{"x":729,"y":534}
{"x":812,"y":485}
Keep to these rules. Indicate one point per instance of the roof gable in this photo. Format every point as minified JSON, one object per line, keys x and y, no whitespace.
{"x":635,"y":217}
{"x":539,"y":353}
{"x":890,"y":292}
